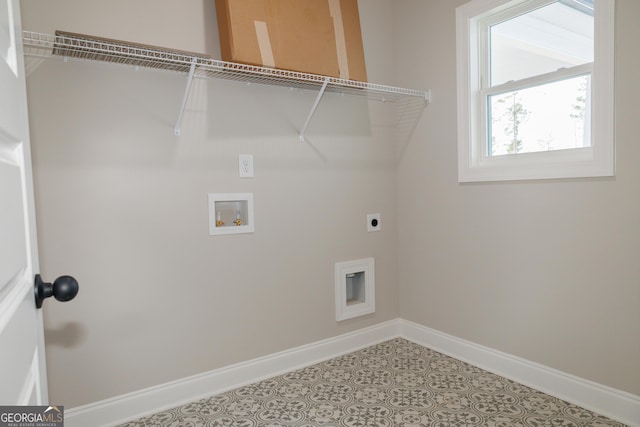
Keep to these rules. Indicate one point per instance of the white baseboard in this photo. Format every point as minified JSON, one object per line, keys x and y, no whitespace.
{"x":120,"y":409}
{"x":615,"y":404}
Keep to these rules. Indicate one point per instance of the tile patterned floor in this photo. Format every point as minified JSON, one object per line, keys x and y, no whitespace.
{"x":396,"y":383}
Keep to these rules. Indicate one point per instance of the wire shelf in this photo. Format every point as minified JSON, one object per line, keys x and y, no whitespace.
{"x":88,"y":48}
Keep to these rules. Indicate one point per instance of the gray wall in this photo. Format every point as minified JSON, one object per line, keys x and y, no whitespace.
{"x":546,"y":270}
{"x":122,"y":204}
{"x":543,"y":270}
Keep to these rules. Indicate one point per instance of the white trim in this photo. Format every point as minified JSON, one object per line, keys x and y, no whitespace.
{"x":141,"y":403}
{"x":603,"y":113}
{"x":11,"y":295}
{"x":244,"y":206}
{"x":603,"y":400}
{"x":473,"y":164}
{"x":538,"y":80}
{"x":615,"y":404}
{"x":345,"y":309}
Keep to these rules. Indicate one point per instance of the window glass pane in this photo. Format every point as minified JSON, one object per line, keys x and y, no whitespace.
{"x":552,"y":116}
{"x":542,"y":40}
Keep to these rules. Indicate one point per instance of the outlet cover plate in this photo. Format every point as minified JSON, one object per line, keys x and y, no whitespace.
{"x":374,"y":222}
{"x":245,"y":165}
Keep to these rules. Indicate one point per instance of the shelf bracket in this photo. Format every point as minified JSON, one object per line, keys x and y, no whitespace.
{"x":178,"y":127}
{"x":313,"y":109}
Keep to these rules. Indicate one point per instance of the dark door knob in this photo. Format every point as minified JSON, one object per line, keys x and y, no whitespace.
{"x":64,"y":288}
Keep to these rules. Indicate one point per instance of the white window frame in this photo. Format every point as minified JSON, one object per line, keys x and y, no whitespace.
{"x":474,"y":164}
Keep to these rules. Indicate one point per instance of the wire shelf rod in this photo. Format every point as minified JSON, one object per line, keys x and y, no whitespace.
{"x":89,"y":48}
{"x":96,"y":49}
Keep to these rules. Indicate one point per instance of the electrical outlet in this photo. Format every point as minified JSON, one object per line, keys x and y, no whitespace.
{"x":374,"y":222}
{"x":245,"y":165}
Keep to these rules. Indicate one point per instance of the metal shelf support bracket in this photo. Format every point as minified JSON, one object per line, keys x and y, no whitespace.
{"x":178,"y":127}
{"x":313,"y":109}
{"x":427,"y":97}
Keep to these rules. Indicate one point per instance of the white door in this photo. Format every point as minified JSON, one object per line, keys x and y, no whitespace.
{"x":22,"y":366}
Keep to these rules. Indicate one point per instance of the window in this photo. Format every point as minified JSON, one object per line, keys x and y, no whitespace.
{"x":535,"y":89}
